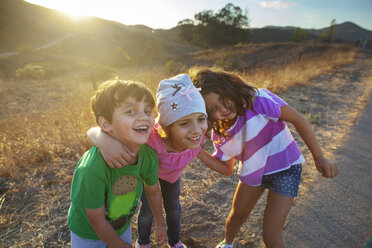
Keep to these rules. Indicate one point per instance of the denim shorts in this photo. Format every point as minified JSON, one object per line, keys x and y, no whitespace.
{"x":79,"y":242}
{"x":285,"y":182}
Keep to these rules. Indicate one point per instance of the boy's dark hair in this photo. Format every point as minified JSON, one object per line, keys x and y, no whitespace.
{"x":228,"y":85}
{"x":112,"y":93}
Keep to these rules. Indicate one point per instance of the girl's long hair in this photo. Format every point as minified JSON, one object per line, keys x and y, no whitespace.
{"x":229,"y":86}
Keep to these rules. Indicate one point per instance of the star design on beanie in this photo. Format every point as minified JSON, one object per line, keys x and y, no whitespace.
{"x":174,"y":106}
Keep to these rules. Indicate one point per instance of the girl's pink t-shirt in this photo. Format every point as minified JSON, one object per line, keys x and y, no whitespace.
{"x":171,"y":164}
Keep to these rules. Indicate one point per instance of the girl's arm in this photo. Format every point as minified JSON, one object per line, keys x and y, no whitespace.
{"x":113,"y":151}
{"x":103,"y":229}
{"x":225,"y":168}
{"x":327,"y":167}
{"x":154,"y":197}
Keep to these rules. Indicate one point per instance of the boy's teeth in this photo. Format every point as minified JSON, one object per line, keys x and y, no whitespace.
{"x":141,"y":128}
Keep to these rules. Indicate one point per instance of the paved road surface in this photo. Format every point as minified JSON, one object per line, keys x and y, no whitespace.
{"x":338,"y":212}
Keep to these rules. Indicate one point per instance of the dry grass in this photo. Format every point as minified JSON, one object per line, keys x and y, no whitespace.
{"x":43,"y":125}
{"x":278,"y":66}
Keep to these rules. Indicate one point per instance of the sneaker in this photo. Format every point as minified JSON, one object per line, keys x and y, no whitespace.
{"x":142,"y":246}
{"x":223,"y":244}
{"x":178,"y":245}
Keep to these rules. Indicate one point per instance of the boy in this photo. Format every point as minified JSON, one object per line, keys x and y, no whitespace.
{"x":104,"y":200}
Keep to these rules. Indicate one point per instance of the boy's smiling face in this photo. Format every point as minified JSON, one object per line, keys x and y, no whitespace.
{"x":132,"y":122}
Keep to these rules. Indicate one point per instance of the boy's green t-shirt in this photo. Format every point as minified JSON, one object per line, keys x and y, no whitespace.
{"x":95,"y":185}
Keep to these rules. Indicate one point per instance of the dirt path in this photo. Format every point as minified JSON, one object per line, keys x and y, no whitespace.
{"x":46,"y":45}
{"x":331,"y":103}
{"x":340,"y":208}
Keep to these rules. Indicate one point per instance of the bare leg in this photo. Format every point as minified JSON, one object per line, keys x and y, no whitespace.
{"x":245,"y":199}
{"x":276,"y":212}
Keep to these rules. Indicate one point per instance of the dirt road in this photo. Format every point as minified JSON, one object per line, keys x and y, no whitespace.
{"x":338,"y":212}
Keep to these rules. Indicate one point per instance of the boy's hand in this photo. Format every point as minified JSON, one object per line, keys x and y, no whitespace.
{"x":327,"y":167}
{"x":161,"y":233}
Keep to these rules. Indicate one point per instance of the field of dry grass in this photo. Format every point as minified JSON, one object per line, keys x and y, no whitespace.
{"x":43,"y":125}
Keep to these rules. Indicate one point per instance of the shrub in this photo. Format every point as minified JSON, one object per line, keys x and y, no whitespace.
{"x":300,"y":35}
{"x":53,"y":67}
{"x":226,"y":62}
{"x":31,"y":71}
{"x":100,"y":72}
{"x":173,"y":67}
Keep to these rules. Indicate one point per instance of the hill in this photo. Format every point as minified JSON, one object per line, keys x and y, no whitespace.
{"x":42,"y":35}
{"x":22,"y":23}
{"x":346,"y":31}
{"x":273,"y":34}
{"x":25,"y":27}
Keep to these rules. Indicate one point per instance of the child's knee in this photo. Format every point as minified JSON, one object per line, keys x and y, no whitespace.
{"x":237,"y":217}
{"x":145,"y":216}
{"x":174,"y":212}
{"x":240,"y":214}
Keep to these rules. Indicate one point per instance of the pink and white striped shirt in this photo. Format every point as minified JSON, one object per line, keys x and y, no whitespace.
{"x":259,"y":140}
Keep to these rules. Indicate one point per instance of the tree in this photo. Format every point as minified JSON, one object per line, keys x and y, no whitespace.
{"x":205,"y":17}
{"x":226,"y":27}
{"x":232,"y":16}
{"x":186,"y":27}
{"x":300,"y":35}
{"x":329,"y":34}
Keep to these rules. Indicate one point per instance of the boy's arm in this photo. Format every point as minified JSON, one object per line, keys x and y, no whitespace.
{"x":327,"y":167}
{"x":103,"y":229}
{"x":223,"y":167}
{"x":113,"y":152}
{"x":154,"y":197}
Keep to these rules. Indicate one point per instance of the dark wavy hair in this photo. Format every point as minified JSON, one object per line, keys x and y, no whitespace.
{"x":228,"y":85}
{"x":112,"y":93}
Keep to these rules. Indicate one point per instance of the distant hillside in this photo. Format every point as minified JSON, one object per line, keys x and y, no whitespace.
{"x":22,"y":23}
{"x":346,"y":31}
{"x":26,"y":27}
{"x":274,"y":34}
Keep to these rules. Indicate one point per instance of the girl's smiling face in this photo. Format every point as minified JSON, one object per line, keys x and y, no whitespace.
{"x":217,"y":110}
{"x":187,"y":132}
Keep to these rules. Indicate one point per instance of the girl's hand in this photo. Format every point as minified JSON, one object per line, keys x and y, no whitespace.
{"x":115,"y":154}
{"x":161,"y":233}
{"x":327,"y":167}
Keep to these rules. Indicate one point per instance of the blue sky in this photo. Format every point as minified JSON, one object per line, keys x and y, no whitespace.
{"x":166,"y":13}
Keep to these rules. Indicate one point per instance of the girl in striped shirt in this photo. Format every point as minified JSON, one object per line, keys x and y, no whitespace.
{"x":249,"y":125}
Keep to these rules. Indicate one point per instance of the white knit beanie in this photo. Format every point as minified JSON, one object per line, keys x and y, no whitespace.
{"x":177,"y":97}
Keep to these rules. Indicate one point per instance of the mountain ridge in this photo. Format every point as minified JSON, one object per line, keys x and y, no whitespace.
{"x":23,"y":24}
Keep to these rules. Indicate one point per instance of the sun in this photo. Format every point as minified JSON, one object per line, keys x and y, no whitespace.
{"x":74,"y":9}
{"x":129,"y":12}
{"x":74,"y":13}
